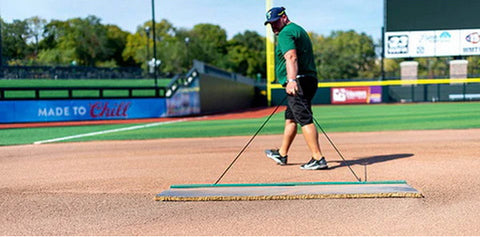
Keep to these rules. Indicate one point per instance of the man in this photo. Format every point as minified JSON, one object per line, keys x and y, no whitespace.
{"x":295,"y":70}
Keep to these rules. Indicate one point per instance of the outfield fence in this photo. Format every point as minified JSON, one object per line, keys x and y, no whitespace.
{"x":390,"y":91}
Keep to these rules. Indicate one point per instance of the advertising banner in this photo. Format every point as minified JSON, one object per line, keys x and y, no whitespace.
{"x":397,"y":45}
{"x":422,"y":43}
{"x":80,"y":110}
{"x":185,"y":101}
{"x":470,"y":44}
{"x":409,"y":44}
{"x":356,"y":95}
{"x":447,"y":42}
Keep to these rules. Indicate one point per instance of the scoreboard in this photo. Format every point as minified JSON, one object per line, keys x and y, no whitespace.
{"x":431,"y":28}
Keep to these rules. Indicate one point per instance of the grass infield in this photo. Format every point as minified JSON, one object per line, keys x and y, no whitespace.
{"x":332,"y":118}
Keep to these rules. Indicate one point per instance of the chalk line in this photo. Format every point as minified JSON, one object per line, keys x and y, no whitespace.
{"x":108,"y":131}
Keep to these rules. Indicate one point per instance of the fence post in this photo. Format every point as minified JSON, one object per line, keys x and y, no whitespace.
{"x":425,"y":93}
{"x":413,"y":93}
{"x":438,"y":92}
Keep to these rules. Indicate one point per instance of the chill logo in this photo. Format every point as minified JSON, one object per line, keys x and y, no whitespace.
{"x":99,"y":109}
{"x":397,"y":44}
{"x":107,"y":110}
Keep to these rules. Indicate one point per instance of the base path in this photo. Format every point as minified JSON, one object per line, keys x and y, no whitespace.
{"x":108,"y":187}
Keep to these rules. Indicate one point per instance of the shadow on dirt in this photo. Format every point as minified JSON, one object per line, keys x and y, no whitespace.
{"x":367,"y":160}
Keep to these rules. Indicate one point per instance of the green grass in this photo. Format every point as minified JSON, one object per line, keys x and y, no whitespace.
{"x":332,"y":118}
{"x":67,"y":83}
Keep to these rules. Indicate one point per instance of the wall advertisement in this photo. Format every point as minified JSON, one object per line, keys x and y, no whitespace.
{"x":356,"y":95}
{"x":185,"y":101}
{"x":80,"y":110}
{"x":406,"y":44}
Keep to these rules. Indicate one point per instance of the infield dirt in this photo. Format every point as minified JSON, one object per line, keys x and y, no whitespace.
{"x":108,"y":188}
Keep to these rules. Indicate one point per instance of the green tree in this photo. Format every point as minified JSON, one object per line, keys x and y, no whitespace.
{"x":35,"y":30}
{"x":246,"y":54}
{"x":51,"y":48}
{"x":170,"y":48}
{"x":84,"y":41}
{"x":474,"y":66}
{"x":135,"y":49}
{"x":392,"y":68}
{"x":14,"y":41}
{"x":208,"y":43}
{"x":175,"y":53}
{"x":432,"y":67}
{"x":88,"y":38}
{"x":345,"y":55}
{"x":139,"y":46}
{"x":116,"y":43}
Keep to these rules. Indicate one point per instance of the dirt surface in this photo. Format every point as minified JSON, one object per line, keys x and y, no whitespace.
{"x":108,"y":188}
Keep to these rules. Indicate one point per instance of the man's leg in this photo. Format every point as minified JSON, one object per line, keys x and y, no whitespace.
{"x":311,"y":136}
{"x":289,"y":134}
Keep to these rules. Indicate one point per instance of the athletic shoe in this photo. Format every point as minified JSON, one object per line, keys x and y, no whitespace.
{"x":275,"y":155}
{"x":315,"y":164}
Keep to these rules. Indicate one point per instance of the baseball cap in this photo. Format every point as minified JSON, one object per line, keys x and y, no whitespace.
{"x":274,"y":14}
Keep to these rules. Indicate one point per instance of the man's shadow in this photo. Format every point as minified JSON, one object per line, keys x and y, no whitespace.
{"x":367,"y":160}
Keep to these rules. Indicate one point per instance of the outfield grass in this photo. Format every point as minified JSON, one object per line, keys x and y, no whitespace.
{"x":333,"y":118}
{"x":68,"y":83}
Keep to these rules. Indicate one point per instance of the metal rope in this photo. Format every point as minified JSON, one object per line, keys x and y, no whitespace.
{"x":251,"y":139}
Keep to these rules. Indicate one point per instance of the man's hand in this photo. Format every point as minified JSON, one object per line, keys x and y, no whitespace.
{"x":291,"y":87}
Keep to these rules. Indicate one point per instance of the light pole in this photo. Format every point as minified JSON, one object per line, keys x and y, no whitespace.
{"x":154,"y":47}
{"x":187,"y":42}
{"x":147,"y":32}
{"x":382,"y":66}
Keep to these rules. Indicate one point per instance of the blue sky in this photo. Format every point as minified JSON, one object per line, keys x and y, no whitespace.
{"x":235,"y":16}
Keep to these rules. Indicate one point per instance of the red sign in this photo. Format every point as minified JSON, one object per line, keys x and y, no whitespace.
{"x":350,"y":95}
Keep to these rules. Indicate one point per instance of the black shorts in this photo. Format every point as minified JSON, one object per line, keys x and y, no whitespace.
{"x":299,"y":108}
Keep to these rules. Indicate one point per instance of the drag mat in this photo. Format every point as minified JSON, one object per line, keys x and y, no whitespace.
{"x":289,"y":191}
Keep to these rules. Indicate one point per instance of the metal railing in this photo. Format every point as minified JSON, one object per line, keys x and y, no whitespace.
{"x":89,"y":92}
{"x":19,"y":93}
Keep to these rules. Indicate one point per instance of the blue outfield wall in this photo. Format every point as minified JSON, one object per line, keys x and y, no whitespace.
{"x":185,"y":101}
{"x":81,"y":110}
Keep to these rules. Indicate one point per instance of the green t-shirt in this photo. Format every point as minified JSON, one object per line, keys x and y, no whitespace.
{"x":292,"y":36}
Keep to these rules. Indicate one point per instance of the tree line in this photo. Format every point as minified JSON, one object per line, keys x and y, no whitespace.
{"x":87,"y":42}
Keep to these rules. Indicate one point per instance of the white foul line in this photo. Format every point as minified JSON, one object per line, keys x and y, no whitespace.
{"x":108,"y":131}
